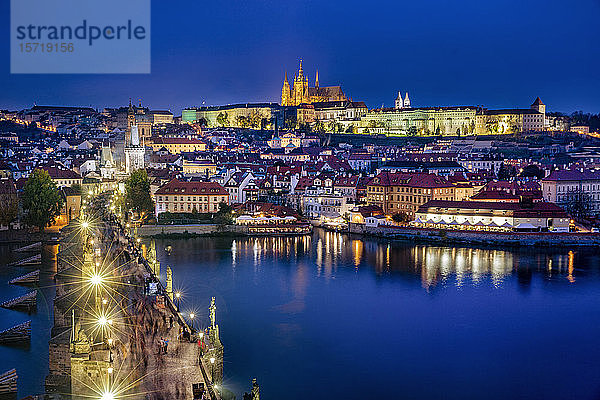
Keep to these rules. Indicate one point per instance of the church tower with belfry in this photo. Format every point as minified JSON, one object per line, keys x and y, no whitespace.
{"x":299,"y":92}
{"x":285,"y":92}
{"x":134,"y":144}
{"x":539,"y":106}
{"x":399,"y":103}
{"x":130,"y":123}
{"x":300,"y":86}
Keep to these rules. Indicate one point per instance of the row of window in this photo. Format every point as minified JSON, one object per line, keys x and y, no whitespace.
{"x":190,"y":198}
{"x":402,"y":189}
{"x":187,"y":207}
{"x":572,"y":188}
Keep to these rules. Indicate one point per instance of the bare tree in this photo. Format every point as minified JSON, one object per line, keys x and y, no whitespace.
{"x":578,"y":204}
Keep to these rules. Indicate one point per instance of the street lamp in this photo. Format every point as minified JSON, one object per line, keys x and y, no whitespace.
{"x":96,"y":279}
{"x":178,"y":297}
{"x":108,"y":396}
{"x":192,"y":315}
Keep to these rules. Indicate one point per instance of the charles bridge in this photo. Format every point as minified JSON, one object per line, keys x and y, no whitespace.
{"x":118,"y":331}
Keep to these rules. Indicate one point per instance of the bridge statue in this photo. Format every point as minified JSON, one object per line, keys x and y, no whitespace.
{"x":213,"y":313}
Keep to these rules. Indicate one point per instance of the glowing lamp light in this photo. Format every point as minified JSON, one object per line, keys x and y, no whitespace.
{"x":212,"y":360}
{"x":192,"y":315}
{"x":96,"y":279}
{"x":108,"y":396}
{"x":102,"y":320}
{"x":178,"y":294}
{"x":110,"y":341}
{"x":110,"y":370}
{"x":85,"y":224}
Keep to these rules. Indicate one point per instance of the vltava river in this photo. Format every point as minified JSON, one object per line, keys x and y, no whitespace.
{"x":330,"y":316}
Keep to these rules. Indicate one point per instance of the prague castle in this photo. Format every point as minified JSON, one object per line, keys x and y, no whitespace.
{"x":302,"y":93}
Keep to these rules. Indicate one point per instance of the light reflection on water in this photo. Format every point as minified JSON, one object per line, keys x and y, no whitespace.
{"x":436,"y":265}
{"x":298,"y":311}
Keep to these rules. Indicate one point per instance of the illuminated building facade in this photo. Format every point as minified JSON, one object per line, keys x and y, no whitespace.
{"x":405,"y":192}
{"x":300,"y":91}
{"x":248,"y":115}
{"x":178,"y":145}
{"x":185,"y":197}
{"x":570,"y":187}
{"x":481,"y":215}
{"x":425,"y":120}
{"x":459,"y":120}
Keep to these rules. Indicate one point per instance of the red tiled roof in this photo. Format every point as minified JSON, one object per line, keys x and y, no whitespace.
{"x":176,"y":141}
{"x":346,"y":181}
{"x":414,"y":179}
{"x":60,"y":173}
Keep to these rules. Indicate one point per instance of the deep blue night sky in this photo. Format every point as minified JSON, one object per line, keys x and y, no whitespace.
{"x":496,"y":53}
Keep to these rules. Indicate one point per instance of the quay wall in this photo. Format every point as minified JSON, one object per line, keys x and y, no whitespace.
{"x":538,"y":239}
{"x":194,"y":229}
{"x":27,"y":236}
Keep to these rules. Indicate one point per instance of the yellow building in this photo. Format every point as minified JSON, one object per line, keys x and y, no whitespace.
{"x":301,"y":92}
{"x":178,"y":145}
{"x":199,"y":168}
{"x":248,"y":115}
{"x":186,"y":197}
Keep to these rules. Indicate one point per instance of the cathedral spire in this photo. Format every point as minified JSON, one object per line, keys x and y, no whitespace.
{"x":300,"y":71}
{"x":317,"y":79}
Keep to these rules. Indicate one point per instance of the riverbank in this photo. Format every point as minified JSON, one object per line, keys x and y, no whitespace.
{"x":216,"y":230}
{"x":190,"y":230}
{"x":25,"y":236}
{"x":513,"y":239}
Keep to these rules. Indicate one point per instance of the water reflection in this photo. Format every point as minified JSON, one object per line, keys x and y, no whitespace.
{"x":326,"y":252}
{"x":329,"y":302}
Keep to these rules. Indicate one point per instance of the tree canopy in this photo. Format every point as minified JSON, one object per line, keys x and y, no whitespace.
{"x":222,"y":119}
{"x":137,"y":192}
{"x":224,"y":215}
{"x":42,"y":200}
{"x":532,"y":171}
